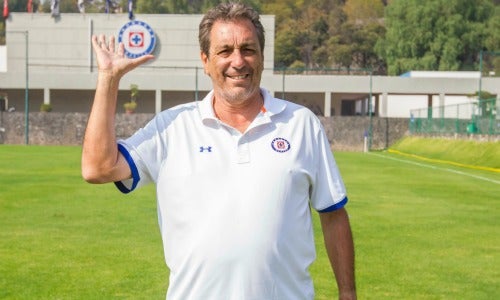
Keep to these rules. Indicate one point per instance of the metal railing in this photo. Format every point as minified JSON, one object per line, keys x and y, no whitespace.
{"x":479,"y":117}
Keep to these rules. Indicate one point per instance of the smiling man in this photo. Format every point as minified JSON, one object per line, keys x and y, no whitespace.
{"x":234,"y":60}
{"x":236,"y":174}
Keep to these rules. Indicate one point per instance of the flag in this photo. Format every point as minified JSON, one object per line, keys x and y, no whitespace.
{"x":130,"y":10}
{"x":29,"y":6}
{"x":108,"y":6}
{"x":81,"y":7}
{"x":54,"y":8}
{"x":5,"y":9}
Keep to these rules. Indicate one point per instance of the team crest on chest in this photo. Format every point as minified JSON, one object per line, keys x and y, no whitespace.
{"x":280,"y":145}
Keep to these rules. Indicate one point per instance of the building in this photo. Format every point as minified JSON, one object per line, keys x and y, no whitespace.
{"x":50,"y":60}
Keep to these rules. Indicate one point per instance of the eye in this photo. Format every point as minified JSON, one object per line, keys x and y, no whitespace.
{"x":248,"y":51}
{"x":224,"y":52}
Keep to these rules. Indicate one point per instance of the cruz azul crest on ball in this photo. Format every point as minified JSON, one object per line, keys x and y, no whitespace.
{"x":138,"y":38}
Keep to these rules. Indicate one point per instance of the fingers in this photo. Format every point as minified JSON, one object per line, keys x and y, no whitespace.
{"x":111,"y":55}
{"x":121,"y":49}
{"x":102,"y":42}
{"x":99,"y":42}
{"x":111,"y":44}
{"x":95,"y":42}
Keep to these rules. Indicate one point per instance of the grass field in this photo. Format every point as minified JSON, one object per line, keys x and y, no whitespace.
{"x":467,"y":153}
{"x":422,"y":231}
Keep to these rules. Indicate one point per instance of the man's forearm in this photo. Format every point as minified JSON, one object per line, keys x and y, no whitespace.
{"x":100,"y":154}
{"x":340,"y":249}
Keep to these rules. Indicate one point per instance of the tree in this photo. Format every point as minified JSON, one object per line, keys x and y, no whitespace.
{"x":491,"y":61}
{"x":182,"y":6}
{"x":15,"y":6}
{"x":21,"y":5}
{"x":434,"y":34}
{"x":492,"y":41}
{"x":2,"y":33}
{"x":151,"y":7}
{"x":286,"y":51}
{"x":312,"y":32}
{"x":364,"y":11}
{"x":303,"y":30}
{"x":353,"y":45}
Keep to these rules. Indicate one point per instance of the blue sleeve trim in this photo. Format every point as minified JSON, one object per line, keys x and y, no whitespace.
{"x":133,"y":169}
{"x":335,"y":206}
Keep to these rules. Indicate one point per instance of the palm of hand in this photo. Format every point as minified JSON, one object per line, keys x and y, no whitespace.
{"x":114,"y":61}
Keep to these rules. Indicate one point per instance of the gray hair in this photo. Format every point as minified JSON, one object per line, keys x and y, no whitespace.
{"x":228,"y":12}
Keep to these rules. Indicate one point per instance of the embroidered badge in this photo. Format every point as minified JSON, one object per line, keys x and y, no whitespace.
{"x":280,"y":145}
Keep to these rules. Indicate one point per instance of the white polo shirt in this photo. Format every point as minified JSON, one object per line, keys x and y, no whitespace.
{"x":234,"y":209}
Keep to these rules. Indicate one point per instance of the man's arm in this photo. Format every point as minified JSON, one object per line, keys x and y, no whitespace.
{"x":101,"y":161}
{"x":340,"y":249}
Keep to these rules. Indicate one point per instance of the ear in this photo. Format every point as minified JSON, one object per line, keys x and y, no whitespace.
{"x":204,"y":60}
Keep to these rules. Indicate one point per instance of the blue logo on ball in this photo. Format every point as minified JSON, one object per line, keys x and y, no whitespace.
{"x":138,"y":38}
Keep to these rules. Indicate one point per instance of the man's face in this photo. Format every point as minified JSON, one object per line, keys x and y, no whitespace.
{"x":235,"y":61}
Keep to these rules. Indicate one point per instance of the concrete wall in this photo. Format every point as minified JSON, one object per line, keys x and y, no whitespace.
{"x":60,"y":54}
{"x":344,"y":133}
{"x":347,"y":133}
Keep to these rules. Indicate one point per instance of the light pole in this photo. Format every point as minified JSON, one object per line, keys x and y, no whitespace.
{"x":370,"y":112}
{"x":480,"y":74}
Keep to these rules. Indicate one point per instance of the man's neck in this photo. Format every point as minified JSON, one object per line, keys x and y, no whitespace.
{"x":238,"y":116}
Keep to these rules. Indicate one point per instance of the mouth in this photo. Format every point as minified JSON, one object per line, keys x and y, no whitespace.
{"x":238,"y":77}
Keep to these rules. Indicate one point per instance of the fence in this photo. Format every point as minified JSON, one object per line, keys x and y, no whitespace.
{"x":480,"y":117}
{"x":59,"y":128}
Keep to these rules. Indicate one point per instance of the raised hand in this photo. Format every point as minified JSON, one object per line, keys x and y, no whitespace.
{"x":101,"y":161}
{"x":113,"y":61}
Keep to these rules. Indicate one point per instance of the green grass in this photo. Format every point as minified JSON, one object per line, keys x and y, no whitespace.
{"x":484,"y":154}
{"x":65,"y":239}
{"x":420,"y":233}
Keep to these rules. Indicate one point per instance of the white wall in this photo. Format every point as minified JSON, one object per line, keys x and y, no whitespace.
{"x":400,"y":106}
{"x":3,"y":58}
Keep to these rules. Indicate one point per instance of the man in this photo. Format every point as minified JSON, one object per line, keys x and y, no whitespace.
{"x":236,"y":173}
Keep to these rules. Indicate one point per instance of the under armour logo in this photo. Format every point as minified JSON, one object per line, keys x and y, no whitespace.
{"x":208,"y":149}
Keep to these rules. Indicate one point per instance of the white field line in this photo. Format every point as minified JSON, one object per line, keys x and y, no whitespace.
{"x":437,"y":168}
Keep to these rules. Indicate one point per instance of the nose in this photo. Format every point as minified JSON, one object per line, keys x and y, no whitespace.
{"x":238,"y":60}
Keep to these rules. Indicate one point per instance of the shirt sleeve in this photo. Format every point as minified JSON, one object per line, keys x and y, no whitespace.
{"x":328,"y":190}
{"x":126,"y":186}
{"x":143,"y":152}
